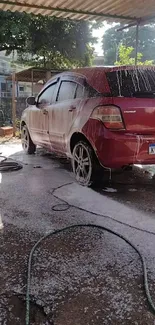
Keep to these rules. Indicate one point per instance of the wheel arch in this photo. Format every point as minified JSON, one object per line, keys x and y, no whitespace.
{"x":77,"y":137}
{"x":96,"y":166}
{"x":22,"y":124}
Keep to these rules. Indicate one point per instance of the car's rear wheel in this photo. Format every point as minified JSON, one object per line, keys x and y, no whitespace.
{"x":84,"y":163}
{"x":27,"y":143}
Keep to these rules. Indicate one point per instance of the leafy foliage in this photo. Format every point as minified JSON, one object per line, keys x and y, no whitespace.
{"x":13,"y":31}
{"x":125,"y":57}
{"x":112,"y":39}
{"x":46,"y":41}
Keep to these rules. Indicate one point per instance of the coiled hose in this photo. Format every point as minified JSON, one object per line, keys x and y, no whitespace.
{"x":63,"y":207}
{"x":9,"y":165}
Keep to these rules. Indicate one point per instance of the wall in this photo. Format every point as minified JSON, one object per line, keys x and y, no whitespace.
{"x":98,"y":61}
{"x":37,"y":88}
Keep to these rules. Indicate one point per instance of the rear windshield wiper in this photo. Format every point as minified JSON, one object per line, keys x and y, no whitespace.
{"x":144,"y":94}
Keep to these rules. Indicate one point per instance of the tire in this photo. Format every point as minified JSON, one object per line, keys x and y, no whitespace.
{"x":85,"y":165}
{"x":28,"y":146}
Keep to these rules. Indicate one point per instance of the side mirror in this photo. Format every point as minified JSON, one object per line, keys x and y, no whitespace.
{"x":30,"y":101}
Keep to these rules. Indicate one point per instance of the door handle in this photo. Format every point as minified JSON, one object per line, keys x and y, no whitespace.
{"x":71,"y":109}
{"x":45,"y":112}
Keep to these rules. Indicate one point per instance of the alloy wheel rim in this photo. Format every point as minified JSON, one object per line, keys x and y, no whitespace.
{"x":25,"y":139}
{"x":82,"y":165}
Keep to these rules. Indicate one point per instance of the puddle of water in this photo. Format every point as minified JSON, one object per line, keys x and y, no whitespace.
{"x":109,"y":190}
{"x":149,"y":168}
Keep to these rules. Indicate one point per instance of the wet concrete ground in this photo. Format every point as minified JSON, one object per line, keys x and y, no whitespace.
{"x":83,"y":276}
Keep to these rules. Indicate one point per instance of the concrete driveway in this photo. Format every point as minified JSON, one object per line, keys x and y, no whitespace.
{"x":83,"y":276}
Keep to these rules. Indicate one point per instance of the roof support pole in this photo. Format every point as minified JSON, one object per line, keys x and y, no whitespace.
{"x":137,"y":39}
{"x":14,"y":102}
{"x":32,"y":82}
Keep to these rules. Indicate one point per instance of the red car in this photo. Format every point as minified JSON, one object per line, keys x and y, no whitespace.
{"x":96,"y":116}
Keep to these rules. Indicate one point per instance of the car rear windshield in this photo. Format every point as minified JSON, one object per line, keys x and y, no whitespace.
{"x":132,"y":83}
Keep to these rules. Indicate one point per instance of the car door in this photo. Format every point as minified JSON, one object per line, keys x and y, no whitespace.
{"x":64,"y":111}
{"x":39,"y":115}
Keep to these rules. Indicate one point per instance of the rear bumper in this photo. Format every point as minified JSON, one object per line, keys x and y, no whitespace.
{"x":116,"y":149}
{"x":126,"y":150}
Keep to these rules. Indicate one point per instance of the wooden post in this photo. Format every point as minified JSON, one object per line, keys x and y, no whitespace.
{"x":48,"y":75}
{"x":14,"y":102}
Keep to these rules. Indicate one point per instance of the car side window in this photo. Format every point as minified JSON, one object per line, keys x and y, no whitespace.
{"x":79,"y":91}
{"x":90,"y":92}
{"x":66,"y":91}
{"x":46,"y":97}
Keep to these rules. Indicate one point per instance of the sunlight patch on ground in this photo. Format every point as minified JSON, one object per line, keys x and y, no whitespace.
{"x":10,"y":149}
{"x":149,"y":168}
{"x":139,"y":166}
{"x":1,"y":223}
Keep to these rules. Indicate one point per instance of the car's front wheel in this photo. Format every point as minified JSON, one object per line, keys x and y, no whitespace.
{"x":84,"y":163}
{"x":27,"y":143}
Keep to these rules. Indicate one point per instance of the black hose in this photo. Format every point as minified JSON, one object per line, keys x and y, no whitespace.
{"x":63,"y":207}
{"x":8,"y":165}
{"x":67,"y":206}
{"x":52,"y":233}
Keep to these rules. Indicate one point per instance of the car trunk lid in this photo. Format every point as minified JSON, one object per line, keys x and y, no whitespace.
{"x":138,"y":114}
{"x":133,"y":90}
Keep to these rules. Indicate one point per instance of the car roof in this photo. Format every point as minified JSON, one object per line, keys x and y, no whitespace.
{"x":94,"y":75}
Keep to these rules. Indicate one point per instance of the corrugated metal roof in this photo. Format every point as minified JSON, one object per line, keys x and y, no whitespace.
{"x":119,"y":10}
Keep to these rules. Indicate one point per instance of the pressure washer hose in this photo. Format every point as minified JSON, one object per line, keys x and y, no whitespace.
{"x":62,"y":207}
{"x":9,"y":165}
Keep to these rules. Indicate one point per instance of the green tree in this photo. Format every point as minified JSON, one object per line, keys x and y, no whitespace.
{"x":113,"y":38}
{"x":13,"y":31}
{"x":46,"y":41}
{"x":126,"y":57}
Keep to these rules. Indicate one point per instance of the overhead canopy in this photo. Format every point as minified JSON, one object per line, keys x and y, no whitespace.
{"x":126,"y":11}
{"x":34,"y":74}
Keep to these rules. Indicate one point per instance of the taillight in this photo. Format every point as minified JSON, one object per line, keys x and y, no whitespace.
{"x":109,"y":115}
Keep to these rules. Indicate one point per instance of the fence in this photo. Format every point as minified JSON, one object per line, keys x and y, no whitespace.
{"x":8,"y":94}
{"x":6,"y":107}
